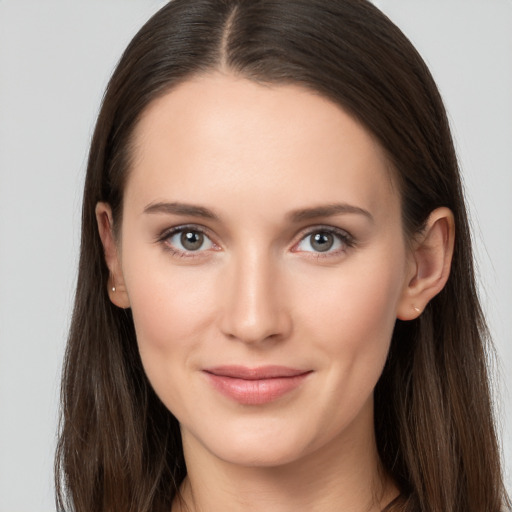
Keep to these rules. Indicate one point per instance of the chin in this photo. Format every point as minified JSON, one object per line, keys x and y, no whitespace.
{"x":260,"y":444}
{"x":260,"y":456}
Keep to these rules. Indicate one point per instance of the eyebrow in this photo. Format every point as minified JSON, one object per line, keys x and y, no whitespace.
{"x":180,"y":209}
{"x":295,"y":216}
{"x":328,"y":211}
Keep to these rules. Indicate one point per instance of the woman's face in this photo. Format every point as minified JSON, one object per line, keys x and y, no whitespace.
{"x":264,"y":261}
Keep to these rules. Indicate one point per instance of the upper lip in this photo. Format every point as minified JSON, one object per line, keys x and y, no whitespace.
{"x":258,"y":373}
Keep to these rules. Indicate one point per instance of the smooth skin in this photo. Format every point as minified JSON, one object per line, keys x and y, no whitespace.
{"x":262,"y":226}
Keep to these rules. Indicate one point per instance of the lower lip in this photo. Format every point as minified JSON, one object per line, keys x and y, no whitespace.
{"x":258,"y":391}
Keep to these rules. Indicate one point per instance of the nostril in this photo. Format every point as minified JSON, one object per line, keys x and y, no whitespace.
{"x":271,"y":324}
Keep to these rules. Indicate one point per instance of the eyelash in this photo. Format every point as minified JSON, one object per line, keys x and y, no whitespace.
{"x":346,"y":240}
{"x":169,"y":233}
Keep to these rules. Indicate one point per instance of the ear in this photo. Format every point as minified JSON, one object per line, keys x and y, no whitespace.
{"x":431,"y":259}
{"x":116,"y":287}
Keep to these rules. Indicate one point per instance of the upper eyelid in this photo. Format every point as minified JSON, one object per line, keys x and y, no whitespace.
{"x":322,"y":227}
{"x":183,"y":227}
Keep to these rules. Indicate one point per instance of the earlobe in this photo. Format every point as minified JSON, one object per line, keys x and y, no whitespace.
{"x":116,"y":287}
{"x":431,"y":260}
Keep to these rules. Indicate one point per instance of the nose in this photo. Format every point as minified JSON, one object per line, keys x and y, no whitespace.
{"x":255,"y":307}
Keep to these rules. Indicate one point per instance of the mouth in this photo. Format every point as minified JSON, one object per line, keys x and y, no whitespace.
{"x":255,"y":386}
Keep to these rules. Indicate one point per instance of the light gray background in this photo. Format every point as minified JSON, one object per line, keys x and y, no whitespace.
{"x":55,"y":60}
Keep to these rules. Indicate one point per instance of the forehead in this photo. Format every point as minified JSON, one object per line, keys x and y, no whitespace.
{"x":219,"y":134}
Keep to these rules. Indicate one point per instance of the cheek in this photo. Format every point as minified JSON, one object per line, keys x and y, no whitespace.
{"x":171,"y":309}
{"x":171,"y":316}
{"x":352,"y":326}
{"x":370,"y":302}
{"x":355,"y":314}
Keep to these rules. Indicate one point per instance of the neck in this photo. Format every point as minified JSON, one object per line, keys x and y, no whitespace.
{"x":343,"y":475}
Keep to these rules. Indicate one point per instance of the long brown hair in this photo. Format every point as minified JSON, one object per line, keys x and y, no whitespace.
{"x":120,"y":448}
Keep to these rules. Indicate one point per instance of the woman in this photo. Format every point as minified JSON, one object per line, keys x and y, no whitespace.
{"x":276,"y":307}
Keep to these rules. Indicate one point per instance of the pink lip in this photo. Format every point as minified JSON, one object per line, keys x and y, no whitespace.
{"x":255,"y":386}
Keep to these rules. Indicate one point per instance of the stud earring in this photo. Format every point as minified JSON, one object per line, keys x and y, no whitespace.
{"x":113,"y":288}
{"x":418,"y":310}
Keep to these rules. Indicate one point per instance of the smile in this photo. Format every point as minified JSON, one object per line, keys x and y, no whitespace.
{"x":255,"y":386}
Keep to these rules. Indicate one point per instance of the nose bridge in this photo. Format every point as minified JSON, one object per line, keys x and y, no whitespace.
{"x":254,"y":309}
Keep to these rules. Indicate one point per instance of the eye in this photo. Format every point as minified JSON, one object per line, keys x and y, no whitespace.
{"x":187,"y":239}
{"x":324,"y":241}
